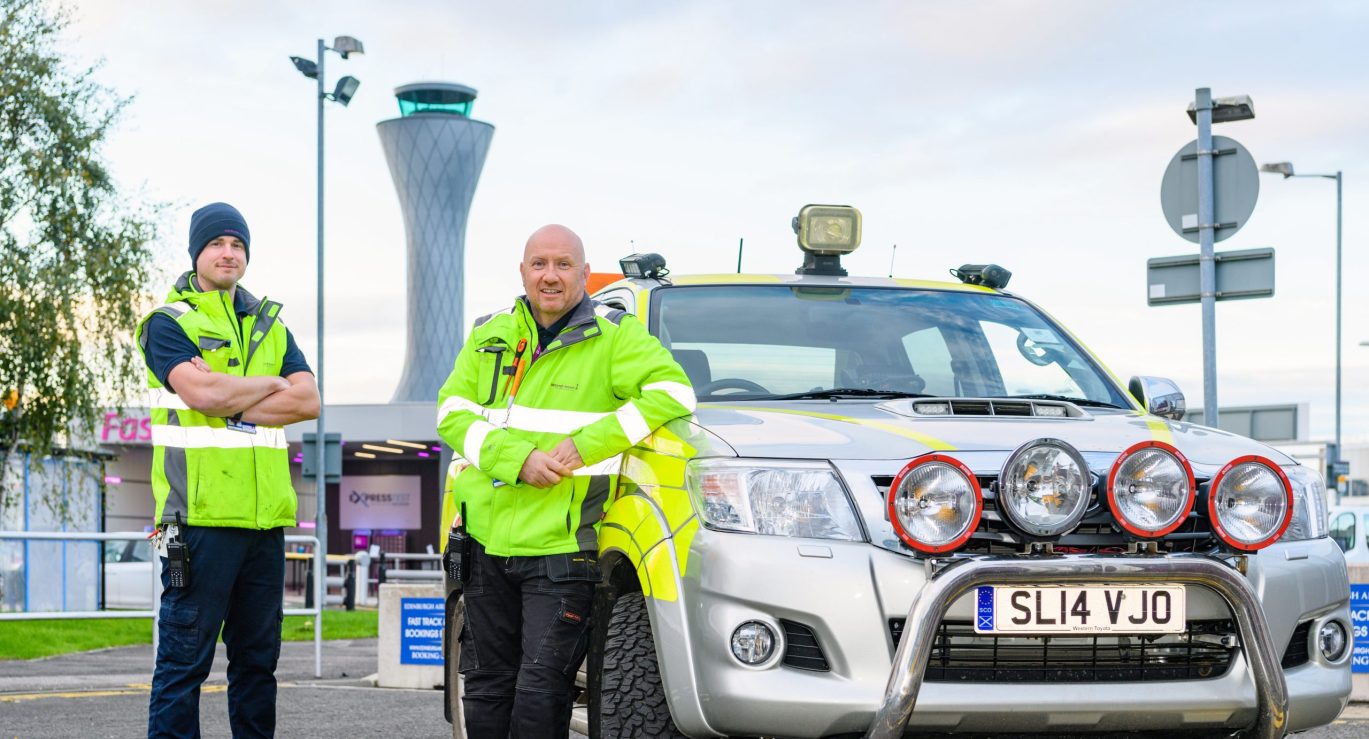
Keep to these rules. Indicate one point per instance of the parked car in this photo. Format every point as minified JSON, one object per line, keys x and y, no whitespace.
{"x":927,"y":506}
{"x":128,"y":574}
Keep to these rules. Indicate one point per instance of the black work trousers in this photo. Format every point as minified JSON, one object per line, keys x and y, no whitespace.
{"x":526,"y":630}
{"x":236,"y":580}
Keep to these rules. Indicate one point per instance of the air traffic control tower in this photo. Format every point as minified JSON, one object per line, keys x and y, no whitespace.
{"x":436,"y":151}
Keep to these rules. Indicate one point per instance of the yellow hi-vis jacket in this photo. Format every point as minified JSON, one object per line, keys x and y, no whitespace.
{"x":210,"y":474}
{"x":604,"y":382}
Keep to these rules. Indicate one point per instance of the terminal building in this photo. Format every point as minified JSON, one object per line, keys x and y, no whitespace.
{"x":392,"y":462}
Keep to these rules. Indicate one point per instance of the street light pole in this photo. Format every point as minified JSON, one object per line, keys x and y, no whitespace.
{"x":1207,"y":266}
{"x":320,"y":438}
{"x":346,"y":88}
{"x":1286,"y":169}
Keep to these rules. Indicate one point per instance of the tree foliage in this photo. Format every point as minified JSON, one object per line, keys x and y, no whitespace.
{"x":75,"y":249}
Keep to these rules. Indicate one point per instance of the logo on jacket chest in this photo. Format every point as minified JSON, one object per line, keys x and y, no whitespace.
{"x":564,"y":386}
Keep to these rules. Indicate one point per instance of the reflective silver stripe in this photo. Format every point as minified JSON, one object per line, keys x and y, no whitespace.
{"x":163,"y":398}
{"x":475,"y":438}
{"x":547,"y":420}
{"x":209,"y":437}
{"x":458,"y":403}
{"x":678,"y":391}
{"x":607,"y":467}
{"x":633,"y":422}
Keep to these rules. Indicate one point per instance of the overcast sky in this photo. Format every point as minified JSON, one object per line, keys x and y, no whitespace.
{"x":1031,"y":134}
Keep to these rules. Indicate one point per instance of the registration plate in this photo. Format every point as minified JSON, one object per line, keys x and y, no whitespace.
{"x":1086,"y":609}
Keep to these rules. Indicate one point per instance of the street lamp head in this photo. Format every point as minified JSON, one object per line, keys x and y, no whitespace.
{"x":1227,"y":109}
{"x":305,"y":67}
{"x":346,"y":88}
{"x":347,"y":45}
{"x":1283,"y":168}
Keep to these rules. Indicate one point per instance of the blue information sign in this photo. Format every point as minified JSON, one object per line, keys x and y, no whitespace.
{"x":421,"y":621}
{"x":1359,"y":625}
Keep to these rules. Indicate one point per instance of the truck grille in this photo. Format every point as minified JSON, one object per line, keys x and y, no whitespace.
{"x":1096,"y":533}
{"x":802,"y":649}
{"x":1297,"y":652}
{"x":1202,"y":652}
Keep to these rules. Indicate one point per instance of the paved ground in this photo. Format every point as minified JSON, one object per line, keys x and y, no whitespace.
{"x":104,"y":694}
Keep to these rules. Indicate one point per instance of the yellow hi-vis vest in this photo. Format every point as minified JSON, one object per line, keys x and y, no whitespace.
{"x":208,"y":473}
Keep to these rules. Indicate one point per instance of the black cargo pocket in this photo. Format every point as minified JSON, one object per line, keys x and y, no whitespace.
{"x":470,"y":658}
{"x":566,"y":636}
{"x":576,"y":567}
{"x":179,"y":635}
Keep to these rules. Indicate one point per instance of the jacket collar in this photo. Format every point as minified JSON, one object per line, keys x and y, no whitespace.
{"x":187,"y":289}
{"x":581,"y":326}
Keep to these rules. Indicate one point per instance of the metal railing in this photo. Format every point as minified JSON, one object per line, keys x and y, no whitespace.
{"x":421,"y":575}
{"x":320,"y":586}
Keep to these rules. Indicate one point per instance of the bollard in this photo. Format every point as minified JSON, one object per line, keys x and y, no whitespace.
{"x":349,"y":587}
{"x":309,"y":585}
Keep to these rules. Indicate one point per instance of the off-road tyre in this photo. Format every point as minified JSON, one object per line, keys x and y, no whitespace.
{"x":451,"y":691}
{"x":630,"y":700}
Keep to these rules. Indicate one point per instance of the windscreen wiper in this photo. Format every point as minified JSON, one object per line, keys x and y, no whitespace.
{"x":1077,"y":401}
{"x":846,"y":392}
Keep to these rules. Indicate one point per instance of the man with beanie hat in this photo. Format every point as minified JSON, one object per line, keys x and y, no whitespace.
{"x":225,"y":376}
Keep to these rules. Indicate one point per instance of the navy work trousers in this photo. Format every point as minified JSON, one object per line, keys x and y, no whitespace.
{"x":526,"y":630}
{"x":237,"y":577}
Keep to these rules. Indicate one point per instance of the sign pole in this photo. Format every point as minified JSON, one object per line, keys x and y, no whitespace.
{"x":1207,"y":273}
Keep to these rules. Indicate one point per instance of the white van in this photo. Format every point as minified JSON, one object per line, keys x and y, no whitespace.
{"x":1350,"y":530}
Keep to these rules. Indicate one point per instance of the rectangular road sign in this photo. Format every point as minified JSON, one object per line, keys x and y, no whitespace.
{"x":1247,"y":273}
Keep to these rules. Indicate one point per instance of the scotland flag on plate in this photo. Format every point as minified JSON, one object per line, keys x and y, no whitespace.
{"x":984,"y":608}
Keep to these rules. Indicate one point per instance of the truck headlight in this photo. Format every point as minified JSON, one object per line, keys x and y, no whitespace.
{"x":1249,"y":503}
{"x":1150,"y":489}
{"x":774,"y":497}
{"x":1309,"y":504}
{"x":934,"y":504}
{"x":1044,"y":488}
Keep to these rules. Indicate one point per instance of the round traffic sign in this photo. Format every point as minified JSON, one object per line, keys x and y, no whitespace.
{"x":1235,"y":185}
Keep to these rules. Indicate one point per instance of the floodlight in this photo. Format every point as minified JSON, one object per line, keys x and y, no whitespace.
{"x":1227,"y":109}
{"x":306,"y":67}
{"x":346,"y":88}
{"x":1283,"y":168}
{"x":346,"y":45}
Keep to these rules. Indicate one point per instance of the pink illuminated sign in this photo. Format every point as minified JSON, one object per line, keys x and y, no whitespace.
{"x":130,"y":429}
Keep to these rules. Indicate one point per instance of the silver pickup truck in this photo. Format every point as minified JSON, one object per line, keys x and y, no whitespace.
{"x":925,"y":507}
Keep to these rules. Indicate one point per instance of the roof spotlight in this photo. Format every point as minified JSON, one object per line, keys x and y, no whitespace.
{"x":988,"y":275}
{"x":637,"y":266}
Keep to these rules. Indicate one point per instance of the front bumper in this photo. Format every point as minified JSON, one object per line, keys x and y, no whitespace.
{"x":847,"y":593}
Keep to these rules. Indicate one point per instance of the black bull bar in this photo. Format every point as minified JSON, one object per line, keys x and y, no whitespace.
{"x":947,"y":585}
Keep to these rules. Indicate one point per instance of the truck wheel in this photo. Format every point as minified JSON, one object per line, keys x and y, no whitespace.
{"x":630,"y":700}
{"x":451,"y":689}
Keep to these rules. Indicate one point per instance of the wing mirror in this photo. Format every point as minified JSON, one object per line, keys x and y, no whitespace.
{"x":1159,"y":396}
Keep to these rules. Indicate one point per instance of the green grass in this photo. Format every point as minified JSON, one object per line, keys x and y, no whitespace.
{"x":33,"y":639}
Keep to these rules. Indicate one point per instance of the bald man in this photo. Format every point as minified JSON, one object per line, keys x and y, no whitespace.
{"x":543,"y":400}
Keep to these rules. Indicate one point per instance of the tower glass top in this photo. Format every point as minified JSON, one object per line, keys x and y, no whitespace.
{"x":435,"y":97}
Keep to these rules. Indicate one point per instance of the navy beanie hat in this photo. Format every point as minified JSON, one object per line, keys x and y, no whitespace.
{"x":215,"y":220}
